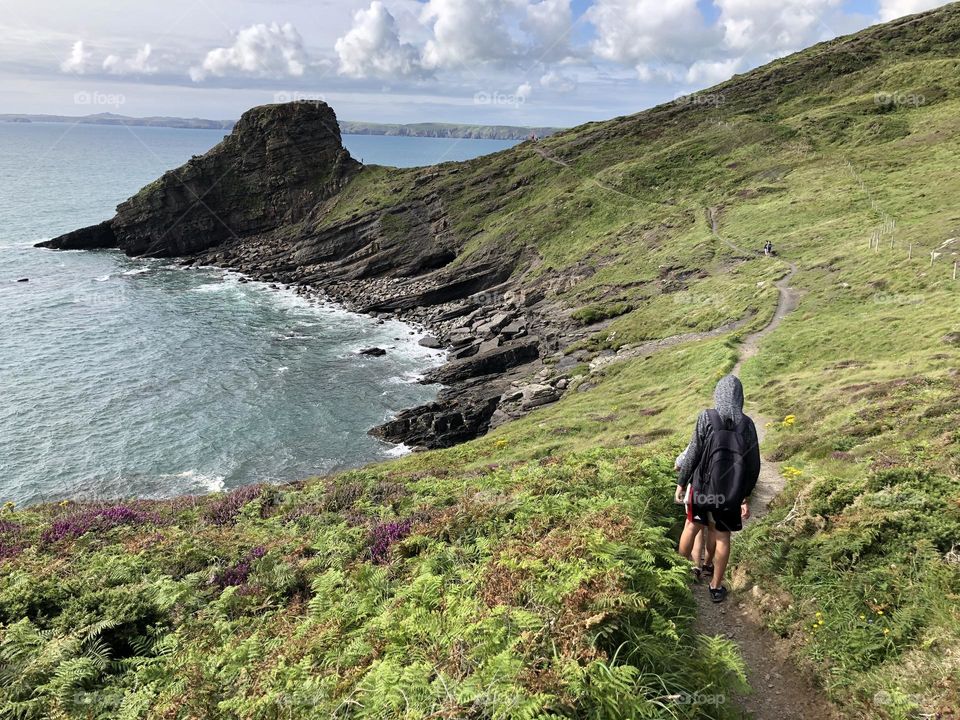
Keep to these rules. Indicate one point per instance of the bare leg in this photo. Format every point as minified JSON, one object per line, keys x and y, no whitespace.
{"x":711,"y":543}
{"x":698,"y":544}
{"x":721,"y":557}
{"x":691,"y":532}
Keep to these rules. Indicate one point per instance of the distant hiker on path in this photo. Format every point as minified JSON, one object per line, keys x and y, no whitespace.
{"x":722,"y":465}
{"x":768,"y":248}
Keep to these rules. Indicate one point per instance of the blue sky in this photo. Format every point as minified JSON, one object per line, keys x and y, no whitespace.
{"x":530,"y":62}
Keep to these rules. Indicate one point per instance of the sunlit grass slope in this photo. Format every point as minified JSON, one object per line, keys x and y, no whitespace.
{"x":530,"y":573}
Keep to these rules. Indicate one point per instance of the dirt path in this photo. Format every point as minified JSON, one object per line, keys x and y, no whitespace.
{"x":780,"y":690}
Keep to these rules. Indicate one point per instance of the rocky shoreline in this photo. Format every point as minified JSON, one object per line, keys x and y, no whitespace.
{"x":494,"y":372}
{"x":259,"y":202}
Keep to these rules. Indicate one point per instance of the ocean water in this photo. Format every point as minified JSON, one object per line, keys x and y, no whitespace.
{"x":126,"y":377}
{"x":416,"y":151}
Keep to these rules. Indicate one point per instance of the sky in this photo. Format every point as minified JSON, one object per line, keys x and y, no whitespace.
{"x":511,"y":62}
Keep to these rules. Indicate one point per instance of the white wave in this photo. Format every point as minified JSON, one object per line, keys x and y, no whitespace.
{"x":213,"y":483}
{"x":282,"y":370}
{"x":104,"y":278}
{"x":397,"y":451}
{"x":211,"y":288}
{"x":137,"y":271}
{"x":410,"y":377}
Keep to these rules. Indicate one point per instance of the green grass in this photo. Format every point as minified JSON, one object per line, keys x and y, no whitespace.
{"x":538,"y":578}
{"x":533,"y":589}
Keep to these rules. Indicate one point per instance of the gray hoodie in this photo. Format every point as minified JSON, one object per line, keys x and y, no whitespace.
{"x":728,"y":400}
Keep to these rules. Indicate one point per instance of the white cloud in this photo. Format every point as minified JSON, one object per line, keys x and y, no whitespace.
{"x":893,"y":9}
{"x":649,"y":34}
{"x":372,"y":47}
{"x":523,"y":92}
{"x":548,"y":24}
{"x":466,"y":31}
{"x":260,"y":50}
{"x":558,"y":82}
{"x":78,"y":61}
{"x":773,"y":27}
{"x":705,"y":72}
{"x":139,"y":64}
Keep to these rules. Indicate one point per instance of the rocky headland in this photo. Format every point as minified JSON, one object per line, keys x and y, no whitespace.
{"x":264,"y":202}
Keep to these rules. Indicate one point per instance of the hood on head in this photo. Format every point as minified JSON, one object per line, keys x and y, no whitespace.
{"x":728,"y":398}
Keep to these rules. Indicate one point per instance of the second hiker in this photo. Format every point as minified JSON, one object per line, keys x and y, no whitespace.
{"x":722,"y":464}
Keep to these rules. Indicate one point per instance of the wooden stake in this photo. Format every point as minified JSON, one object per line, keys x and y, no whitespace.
{"x":954,"y":269}
{"x":910,"y":254}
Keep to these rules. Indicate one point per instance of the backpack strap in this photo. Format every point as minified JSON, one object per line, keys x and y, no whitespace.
{"x":716,"y":421}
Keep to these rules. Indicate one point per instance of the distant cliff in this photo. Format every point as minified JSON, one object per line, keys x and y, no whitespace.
{"x":348,"y":127}
{"x":446,"y":130}
{"x":114,"y":119}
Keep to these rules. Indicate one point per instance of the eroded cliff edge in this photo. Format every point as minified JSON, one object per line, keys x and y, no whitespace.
{"x":268,"y":201}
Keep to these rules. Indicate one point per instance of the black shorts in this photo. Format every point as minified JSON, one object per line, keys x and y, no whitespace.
{"x":726,"y":520}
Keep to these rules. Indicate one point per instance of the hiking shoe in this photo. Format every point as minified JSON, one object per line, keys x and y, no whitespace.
{"x":719,"y":594}
{"x":708,"y":570}
{"x":696,"y":573}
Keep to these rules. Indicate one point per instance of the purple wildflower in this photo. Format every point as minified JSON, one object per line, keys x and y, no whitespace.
{"x":382,"y":537}
{"x":96,"y":520}
{"x":225,"y":511}
{"x":9,"y":540}
{"x":238,"y":574}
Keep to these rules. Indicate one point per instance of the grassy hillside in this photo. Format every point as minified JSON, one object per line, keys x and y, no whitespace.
{"x":530,"y":573}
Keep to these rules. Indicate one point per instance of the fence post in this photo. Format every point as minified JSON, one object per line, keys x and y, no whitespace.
{"x":910,"y":254}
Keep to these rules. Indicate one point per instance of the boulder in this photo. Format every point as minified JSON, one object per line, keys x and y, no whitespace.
{"x":460,"y":339}
{"x":373,"y":352}
{"x":429,"y":341}
{"x":503,"y":358}
{"x":535,"y":395}
{"x":489,"y":345}
{"x":465,"y":352}
{"x":514,"y":329}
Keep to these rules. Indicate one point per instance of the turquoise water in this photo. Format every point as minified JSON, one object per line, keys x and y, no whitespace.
{"x":123,"y":377}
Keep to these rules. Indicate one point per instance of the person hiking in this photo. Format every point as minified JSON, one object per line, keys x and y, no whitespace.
{"x":722,"y":466}
{"x":705,"y":541}
{"x":768,"y":248}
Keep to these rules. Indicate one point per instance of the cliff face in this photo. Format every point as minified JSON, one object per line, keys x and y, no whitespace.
{"x":276,"y":165}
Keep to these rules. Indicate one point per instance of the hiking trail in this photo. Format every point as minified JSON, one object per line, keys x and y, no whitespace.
{"x":780,"y":690}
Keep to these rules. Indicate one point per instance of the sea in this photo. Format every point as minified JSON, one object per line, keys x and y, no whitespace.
{"x":124,"y":377}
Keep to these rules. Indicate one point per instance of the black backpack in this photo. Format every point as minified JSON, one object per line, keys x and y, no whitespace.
{"x":722,"y":477}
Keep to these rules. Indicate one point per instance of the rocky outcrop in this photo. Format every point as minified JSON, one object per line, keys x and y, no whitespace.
{"x":271,"y":171}
{"x":261,"y":203}
{"x":95,"y":237}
